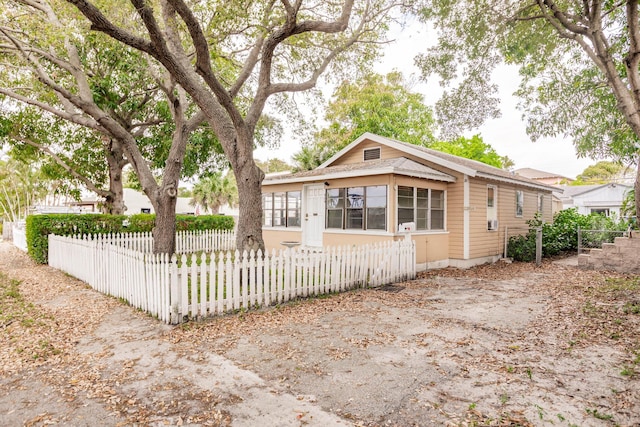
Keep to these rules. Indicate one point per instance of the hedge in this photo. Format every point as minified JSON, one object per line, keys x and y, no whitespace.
{"x":40,"y":226}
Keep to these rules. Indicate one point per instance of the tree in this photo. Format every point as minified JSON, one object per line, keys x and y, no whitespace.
{"x":601,"y":173}
{"x":215,"y":191}
{"x":472,"y":148}
{"x":21,"y":186}
{"x":273,"y":165}
{"x":67,"y":154}
{"x":232,"y":57}
{"x":384,"y":105}
{"x":579,"y":63}
{"x":144,"y":118}
{"x":628,"y":207}
{"x":311,"y":156}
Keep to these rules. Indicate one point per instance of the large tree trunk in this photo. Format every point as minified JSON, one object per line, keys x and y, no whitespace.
{"x":249,"y":233}
{"x":114,"y":201}
{"x":164,"y":231}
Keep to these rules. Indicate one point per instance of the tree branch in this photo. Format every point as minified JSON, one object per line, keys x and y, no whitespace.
{"x":71,"y":171}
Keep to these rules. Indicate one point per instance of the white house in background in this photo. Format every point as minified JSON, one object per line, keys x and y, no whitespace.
{"x":137,"y":202}
{"x":605,"y":199}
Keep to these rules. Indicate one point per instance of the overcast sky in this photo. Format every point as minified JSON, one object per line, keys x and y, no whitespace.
{"x":506,"y":135}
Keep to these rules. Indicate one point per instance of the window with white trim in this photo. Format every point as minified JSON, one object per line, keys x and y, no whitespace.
{"x":519,"y":203}
{"x":281,"y":209}
{"x":540,"y":202}
{"x":492,"y":207}
{"x":422,"y":206}
{"x":357,"y":208}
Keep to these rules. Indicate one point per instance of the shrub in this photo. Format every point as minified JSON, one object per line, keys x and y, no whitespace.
{"x":40,"y":226}
{"x":561,"y":235}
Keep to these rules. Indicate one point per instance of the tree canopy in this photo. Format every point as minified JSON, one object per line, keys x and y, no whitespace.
{"x":601,"y":173}
{"x":231,"y":58}
{"x":473,"y":148}
{"x":386,"y":106}
{"x":578,"y":62}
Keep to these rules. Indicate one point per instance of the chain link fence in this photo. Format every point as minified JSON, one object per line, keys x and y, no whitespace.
{"x":593,"y":239}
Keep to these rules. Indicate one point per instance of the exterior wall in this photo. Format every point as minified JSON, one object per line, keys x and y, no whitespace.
{"x":342,"y":238}
{"x":274,"y":236}
{"x":490,"y":243}
{"x":432,"y":249}
{"x":356,"y":154}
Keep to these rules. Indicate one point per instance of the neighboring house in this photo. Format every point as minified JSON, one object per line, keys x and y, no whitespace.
{"x":605,"y":199}
{"x":379,"y":189}
{"x":543,"y":177}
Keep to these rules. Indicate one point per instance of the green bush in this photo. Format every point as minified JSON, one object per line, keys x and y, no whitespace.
{"x":40,"y":226}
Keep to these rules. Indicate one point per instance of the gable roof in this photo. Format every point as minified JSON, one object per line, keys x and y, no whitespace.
{"x":468,"y":167}
{"x":538,"y":174}
{"x":397,"y":166}
{"x":576,"y":190}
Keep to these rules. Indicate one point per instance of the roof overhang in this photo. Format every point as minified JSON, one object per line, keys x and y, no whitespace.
{"x":518,"y":182}
{"x":359,"y":173}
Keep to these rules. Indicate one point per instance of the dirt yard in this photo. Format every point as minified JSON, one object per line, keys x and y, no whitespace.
{"x":507,"y":344}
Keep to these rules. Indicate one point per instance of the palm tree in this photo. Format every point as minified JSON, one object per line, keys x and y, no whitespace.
{"x":311,"y":156}
{"x":214,"y":191}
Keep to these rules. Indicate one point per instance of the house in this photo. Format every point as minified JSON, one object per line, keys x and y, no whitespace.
{"x":543,"y":177}
{"x":605,"y":199}
{"x":375,"y":189}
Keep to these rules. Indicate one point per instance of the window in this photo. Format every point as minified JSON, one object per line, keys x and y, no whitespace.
{"x":519,"y":203}
{"x":376,"y":205}
{"x":422,"y":206}
{"x":357,"y":208}
{"x":600,"y":211}
{"x":335,"y":207}
{"x":492,"y":207}
{"x":294,"y":204}
{"x":540,"y":202}
{"x":281,"y":209}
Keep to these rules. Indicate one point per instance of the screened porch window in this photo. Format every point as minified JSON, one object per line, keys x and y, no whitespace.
{"x":422,"y":206}
{"x":357,"y":208}
{"x":281,"y":209}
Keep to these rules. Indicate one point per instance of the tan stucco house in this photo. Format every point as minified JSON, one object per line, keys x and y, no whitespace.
{"x":377,"y":189}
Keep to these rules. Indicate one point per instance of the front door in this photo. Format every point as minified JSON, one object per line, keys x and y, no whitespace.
{"x":313,"y":215}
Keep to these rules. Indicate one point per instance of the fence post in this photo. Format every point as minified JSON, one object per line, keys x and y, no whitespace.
{"x":506,"y":241}
{"x":538,"y":245}
{"x":579,"y":241}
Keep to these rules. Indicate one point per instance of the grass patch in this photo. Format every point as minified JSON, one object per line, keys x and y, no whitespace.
{"x":26,"y":331}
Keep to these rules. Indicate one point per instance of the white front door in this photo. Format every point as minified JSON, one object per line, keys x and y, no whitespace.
{"x":313,"y":214}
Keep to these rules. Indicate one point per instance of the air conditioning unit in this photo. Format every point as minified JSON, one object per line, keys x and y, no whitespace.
{"x":492,"y":224}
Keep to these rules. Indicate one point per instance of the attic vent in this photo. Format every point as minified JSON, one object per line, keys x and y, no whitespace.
{"x":371,"y":154}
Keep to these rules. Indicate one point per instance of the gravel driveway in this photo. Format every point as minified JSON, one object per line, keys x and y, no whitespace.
{"x":507,"y":344}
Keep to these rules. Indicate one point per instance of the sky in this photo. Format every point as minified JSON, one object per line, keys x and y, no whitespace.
{"x":507,"y":134}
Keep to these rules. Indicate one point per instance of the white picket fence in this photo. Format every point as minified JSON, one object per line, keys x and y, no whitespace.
{"x":19,"y":235}
{"x":194,"y":286}
{"x":186,"y":241}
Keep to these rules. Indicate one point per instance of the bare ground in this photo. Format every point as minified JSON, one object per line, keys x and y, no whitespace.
{"x":507,"y":344}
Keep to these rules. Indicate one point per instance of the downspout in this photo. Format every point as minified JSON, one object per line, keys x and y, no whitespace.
{"x":466,"y":218}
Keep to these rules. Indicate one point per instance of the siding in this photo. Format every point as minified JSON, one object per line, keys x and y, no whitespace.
{"x":356,"y":154}
{"x":490,"y":243}
{"x":455,"y":217}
